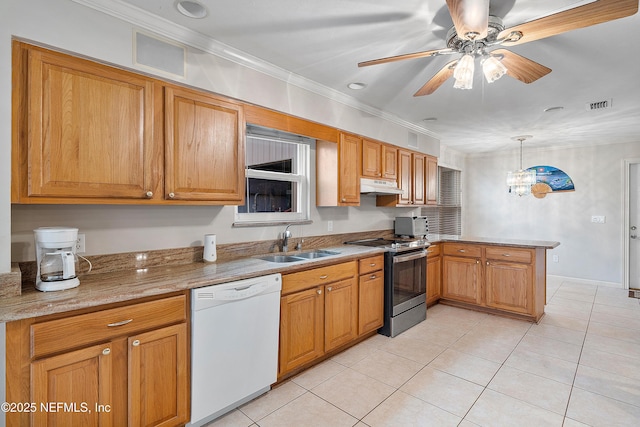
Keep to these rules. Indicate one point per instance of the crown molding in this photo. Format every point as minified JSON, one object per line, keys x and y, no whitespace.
{"x":164,"y":27}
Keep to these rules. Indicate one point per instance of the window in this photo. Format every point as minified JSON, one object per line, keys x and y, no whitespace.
{"x":277,"y":177}
{"x":446,"y":218}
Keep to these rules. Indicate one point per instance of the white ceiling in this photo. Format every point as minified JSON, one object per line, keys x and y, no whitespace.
{"x":324,"y":40}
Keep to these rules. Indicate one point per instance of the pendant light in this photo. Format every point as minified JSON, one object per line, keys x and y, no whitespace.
{"x":521,"y":181}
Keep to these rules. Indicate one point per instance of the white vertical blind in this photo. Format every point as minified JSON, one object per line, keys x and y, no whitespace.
{"x":446,"y":217}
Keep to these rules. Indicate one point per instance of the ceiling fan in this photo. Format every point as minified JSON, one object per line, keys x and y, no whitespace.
{"x":477,"y":34}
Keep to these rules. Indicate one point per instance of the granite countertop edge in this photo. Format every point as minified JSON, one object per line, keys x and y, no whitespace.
{"x":108,"y":288}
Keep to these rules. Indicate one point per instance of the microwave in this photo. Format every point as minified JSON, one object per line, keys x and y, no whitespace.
{"x":411,"y":226}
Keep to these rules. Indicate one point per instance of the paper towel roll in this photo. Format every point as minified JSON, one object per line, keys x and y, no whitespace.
{"x":209,"y":254}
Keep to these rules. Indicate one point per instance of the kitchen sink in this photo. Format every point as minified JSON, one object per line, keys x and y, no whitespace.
{"x":315,"y":254}
{"x":302,"y":256}
{"x":281,"y":258}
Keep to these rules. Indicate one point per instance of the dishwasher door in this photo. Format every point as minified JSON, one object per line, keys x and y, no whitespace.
{"x":234,"y":344}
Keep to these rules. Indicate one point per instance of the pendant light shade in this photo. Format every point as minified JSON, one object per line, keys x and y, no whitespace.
{"x":493,"y":69}
{"x":521,"y":181}
{"x":463,"y":73}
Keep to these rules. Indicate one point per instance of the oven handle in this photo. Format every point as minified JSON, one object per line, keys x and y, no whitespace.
{"x":409,"y":257}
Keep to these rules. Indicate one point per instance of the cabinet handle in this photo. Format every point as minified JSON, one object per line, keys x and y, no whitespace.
{"x":106,"y":351}
{"x":487,"y":262}
{"x":477,"y":261}
{"x":135,"y":343}
{"x":172,"y":195}
{"x":149,"y":194}
{"x":324,"y":276}
{"x":319,"y":291}
{"x":344,"y":200}
{"x":373,"y":276}
{"x":122,"y":323}
{"x":506,"y":255}
{"x":329,"y":289}
{"x":373,"y":264}
{"x":461,"y":250}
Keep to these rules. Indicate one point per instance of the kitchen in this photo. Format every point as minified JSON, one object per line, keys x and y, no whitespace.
{"x":592,"y":256}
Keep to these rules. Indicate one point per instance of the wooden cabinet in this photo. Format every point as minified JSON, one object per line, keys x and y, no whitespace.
{"x":434,"y":273}
{"x":371,"y":294}
{"x":319,"y":312}
{"x":389,"y":162}
{"x":431,"y":180}
{"x":371,"y":159}
{"x":85,"y":132}
{"x":338,"y":171}
{"x":505,"y":279}
{"x":82,"y":130}
{"x":204,"y":147}
{"x":127,"y":365}
{"x":414,"y":179}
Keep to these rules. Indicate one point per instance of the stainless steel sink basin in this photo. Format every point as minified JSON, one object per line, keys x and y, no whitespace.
{"x":302,"y":256}
{"x":315,"y":254}
{"x":281,"y":258}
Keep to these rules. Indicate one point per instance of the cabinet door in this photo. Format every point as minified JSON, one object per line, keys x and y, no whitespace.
{"x":431,"y":180}
{"x":389,"y":162}
{"x":405,"y":177}
{"x":419,"y":192}
{"x":370,"y":302}
{"x":301,"y":328}
{"x":340,"y":313}
{"x":371,"y":159}
{"x":349,"y":170}
{"x":434,"y":278}
{"x":204,"y":147}
{"x":90,"y":130}
{"x":509,"y":286}
{"x":159,"y":377}
{"x":82,"y":380}
{"x":461,"y":279}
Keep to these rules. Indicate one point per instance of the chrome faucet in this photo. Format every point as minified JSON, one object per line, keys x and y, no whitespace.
{"x":285,"y":238}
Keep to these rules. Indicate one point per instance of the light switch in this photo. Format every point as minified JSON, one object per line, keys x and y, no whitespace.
{"x":598,"y":219}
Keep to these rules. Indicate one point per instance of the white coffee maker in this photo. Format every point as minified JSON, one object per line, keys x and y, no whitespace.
{"x":56,"y":258}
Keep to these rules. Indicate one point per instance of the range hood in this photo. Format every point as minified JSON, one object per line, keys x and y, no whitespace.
{"x":378,"y":186}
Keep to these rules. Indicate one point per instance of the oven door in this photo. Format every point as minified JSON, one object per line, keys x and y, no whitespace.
{"x":409,"y":281}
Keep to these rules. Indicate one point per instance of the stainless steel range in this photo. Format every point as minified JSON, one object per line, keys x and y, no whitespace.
{"x":405,"y":282}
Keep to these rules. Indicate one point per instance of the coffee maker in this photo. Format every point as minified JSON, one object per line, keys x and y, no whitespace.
{"x":56,"y":258}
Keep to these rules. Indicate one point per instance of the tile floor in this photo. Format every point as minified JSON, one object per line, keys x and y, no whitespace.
{"x":580,"y":366}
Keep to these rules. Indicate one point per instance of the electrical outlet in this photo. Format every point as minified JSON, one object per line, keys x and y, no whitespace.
{"x":329,"y":225}
{"x":80,"y":244}
{"x":556,"y":258}
{"x":598,"y":219}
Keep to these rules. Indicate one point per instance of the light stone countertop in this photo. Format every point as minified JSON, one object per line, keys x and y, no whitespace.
{"x":107,"y":288}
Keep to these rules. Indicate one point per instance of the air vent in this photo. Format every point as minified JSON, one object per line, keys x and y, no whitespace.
{"x":600,"y":105}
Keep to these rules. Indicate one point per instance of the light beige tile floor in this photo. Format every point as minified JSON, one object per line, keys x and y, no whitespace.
{"x":580,"y":366}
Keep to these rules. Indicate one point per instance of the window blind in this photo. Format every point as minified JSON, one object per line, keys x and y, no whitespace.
{"x":446,"y":217}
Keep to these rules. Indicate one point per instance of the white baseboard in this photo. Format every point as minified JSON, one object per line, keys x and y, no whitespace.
{"x":584,"y":281}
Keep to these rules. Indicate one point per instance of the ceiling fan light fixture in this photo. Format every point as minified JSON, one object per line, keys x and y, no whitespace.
{"x":463,"y":73}
{"x":493,"y":69}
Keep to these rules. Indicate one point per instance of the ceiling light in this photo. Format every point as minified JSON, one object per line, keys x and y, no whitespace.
{"x":521,"y":181}
{"x":356,"y":86}
{"x":463,"y":72}
{"x":191,"y":9}
{"x":493,"y":69}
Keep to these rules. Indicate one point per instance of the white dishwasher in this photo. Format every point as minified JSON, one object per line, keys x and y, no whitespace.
{"x":234,"y":344}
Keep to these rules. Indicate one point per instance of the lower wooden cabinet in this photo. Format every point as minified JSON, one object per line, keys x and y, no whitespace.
{"x":504,"y":279}
{"x":137,"y":377}
{"x":434,"y":274}
{"x":326,"y":308}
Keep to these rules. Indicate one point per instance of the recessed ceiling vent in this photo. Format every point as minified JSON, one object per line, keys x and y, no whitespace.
{"x":600,"y":105}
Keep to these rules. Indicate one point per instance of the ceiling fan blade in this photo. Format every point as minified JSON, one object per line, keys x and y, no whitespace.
{"x":436,"y":81}
{"x":422,"y":54}
{"x":470,"y":17}
{"x":521,"y":68}
{"x":579,"y":17}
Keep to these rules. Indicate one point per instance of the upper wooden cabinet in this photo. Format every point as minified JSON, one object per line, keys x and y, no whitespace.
{"x":371,"y":159}
{"x":431,"y":180}
{"x":204,"y":150}
{"x":85,"y":132}
{"x":82,"y":130}
{"x":389,"y":162}
{"x":418,"y":179}
{"x":338,"y":171}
